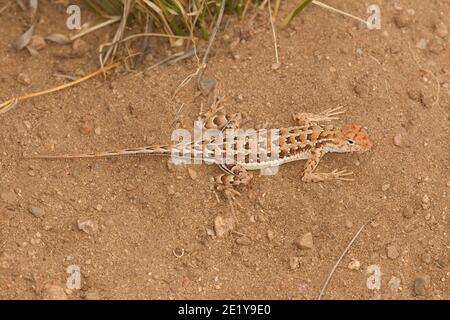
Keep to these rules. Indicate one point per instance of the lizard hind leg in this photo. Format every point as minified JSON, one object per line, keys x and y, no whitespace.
{"x":217,"y":118}
{"x":227,"y":183}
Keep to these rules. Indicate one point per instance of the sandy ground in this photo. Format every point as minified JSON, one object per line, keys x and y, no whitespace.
{"x":155,"y":237}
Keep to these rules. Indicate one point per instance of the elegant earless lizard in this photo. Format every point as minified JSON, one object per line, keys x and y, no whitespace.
{"x":310,"y":140}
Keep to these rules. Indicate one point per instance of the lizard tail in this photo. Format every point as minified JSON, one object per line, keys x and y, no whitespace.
{"x":159,"y":150}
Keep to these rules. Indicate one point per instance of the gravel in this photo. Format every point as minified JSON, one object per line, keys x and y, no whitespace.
{"x":305,"y":242}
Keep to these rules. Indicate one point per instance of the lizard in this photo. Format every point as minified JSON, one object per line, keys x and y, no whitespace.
{"x":309,"y":140}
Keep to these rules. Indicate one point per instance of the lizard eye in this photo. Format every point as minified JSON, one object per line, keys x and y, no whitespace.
{"x":350,"y":141}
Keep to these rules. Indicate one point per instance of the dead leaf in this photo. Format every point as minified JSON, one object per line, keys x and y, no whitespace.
{"x":25,"y":38}
{"x":58,"y":38}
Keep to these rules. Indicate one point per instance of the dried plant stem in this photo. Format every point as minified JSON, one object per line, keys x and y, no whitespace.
{"x":274,"y":34}
{"x":339,"y":261}
{"x":11,"y":103}
{"x":211,"y":41}
{"x":5,"y":7}
{"x":96,"y":27}
{"x":323,"y":5}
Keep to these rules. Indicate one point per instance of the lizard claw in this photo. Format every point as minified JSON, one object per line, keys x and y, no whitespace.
{"x":332,"y":113}
{"x":231,"y":195}
{"x":325,"y":116}
{"x":342,"y":175}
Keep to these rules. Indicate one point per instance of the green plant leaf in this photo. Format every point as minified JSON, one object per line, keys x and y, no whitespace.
{"x":298,"y":8}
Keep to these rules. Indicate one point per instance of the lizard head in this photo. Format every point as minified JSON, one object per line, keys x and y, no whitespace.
{"x":350,"y":138}
{"x":355,"y":138}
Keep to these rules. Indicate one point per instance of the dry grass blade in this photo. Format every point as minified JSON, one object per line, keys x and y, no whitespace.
{"x":211,"y":40}
{"x":298,"y":8}
{"x":11,"y":103}
{"x":110,"y":53}
{"x":274,"y":34}
{"x":339,"y":261}
{"x":108,"y":22}
{"x":323,"y":5}
{"x":5,"y":7}
{"x":25,"y":38}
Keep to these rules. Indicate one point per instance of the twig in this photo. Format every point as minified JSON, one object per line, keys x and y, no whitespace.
{"x":4,"y":7}
{"x":11,"y":103}
{"x":118,"y":35}
{"x":211,"y":41}
{"x":323,"y":5}
{"x":339,"y":260}
{"x":96,"y":27}
{"x":273,"y":34}
{"x":245,"y":10}
{"x":172,"y":59}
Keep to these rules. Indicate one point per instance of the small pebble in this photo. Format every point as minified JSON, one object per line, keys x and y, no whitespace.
{"x":294,"y":263}
{"x":79,"y":48}
{"x":270,"y":235}
{"x":421,"y":284}
{"x":354,"y":265}
{"x":404,"y":18}
{"x":422,"y":44}
{"x":171,"y":190}
{"x":54,"y":292}
{"x":210,"y":232}
{"x":425,"y":199}
{"x":276,"y":66}
{"x":24,"y":79}
{"x":385,"y":187}
{"x":441,"y":30}
{"x":427,"y":101}
{"x":37,"y":43}
{"x":408,"y":212}
{"x":348,"y":224}
{"x":436,"y":46}
{"x":192,"y":173}
{"x":243,"y":241}
{"x":305,"y":242}
{"x":86,"y":129}
{"x":89,"y":226}
{"x":37,"y":212}
{"x":8,"y":197}
{"x":398,"y":140}
{"x":361,"y":90}
{"x":392,"y":252}
{"x":394,"y":284}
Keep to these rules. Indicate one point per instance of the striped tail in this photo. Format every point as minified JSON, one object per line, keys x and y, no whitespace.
{"x":159,"y":150}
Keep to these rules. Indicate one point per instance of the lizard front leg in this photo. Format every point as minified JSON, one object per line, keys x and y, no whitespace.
{"x":308,"y":174}
{"x":303,"y":118}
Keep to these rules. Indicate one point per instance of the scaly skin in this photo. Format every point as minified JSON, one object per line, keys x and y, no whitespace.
{"x":309,"y":140}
